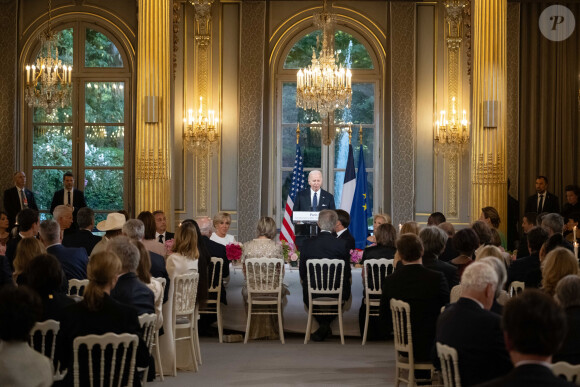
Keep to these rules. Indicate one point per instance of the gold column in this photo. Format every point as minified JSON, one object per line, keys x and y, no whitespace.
{"x":488,"y":150}
{"x":152,"y":143}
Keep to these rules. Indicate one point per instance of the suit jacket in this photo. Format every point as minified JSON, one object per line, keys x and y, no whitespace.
{"x":169,"y":235}
{"x":378,"y":251}
{"x":449,"y":253}
{"x":53,"y":305}
{"x":529,"y":375}
{"x":5,"y":272}
{"x":81,"y":238}
{"x":73,"y":260}
{"x":131,"y":291}
{"x":477,"y":336}
{"x":523,"y":246}
{"x":519,"y":269}
{"x":325,"y":245}
{"x":12,"y":203}
{"x":303,"y":202}
{"x":551,"y":203}
{"x":158,"y":269}
{"x":218,"y":250}
{"x":426,"y":291}
{"x":78,"y":201}
{"x":11,"y":249}
{"x":350,"y":243}
{"x":570,"y":349}
{"x":568,"y":209}
{"x":448,"y":270}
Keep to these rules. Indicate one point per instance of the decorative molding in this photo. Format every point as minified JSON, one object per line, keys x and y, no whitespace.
{"x":513,"y":96}
{"x":202,"y":183}
{"x":467,"y":28}
{"x":8,"y":62}
{"x":176,"y":20}
{"x":489,"y":171}
{"x":151,"y":166}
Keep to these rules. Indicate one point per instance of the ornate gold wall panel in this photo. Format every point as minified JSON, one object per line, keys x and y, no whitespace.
{"x":251,"y":116}
{"x":404,"y":111}
{"x":513,"y":96}
{"x":154,"y":74}
{"x":8,"y":43}
{"x":488,"y":149}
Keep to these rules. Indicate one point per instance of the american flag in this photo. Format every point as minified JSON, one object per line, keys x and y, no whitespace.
{"x":298,"y":184}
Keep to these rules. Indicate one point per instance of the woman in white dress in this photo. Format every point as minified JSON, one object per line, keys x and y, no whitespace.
{"x":264,"y":246}
{"x":186,"y":257}
{"x":221,"y":224}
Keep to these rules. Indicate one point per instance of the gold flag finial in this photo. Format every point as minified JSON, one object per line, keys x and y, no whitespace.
{"x":360,"y":134}
{"x":297,"y":133}
{"x":349,"y":133}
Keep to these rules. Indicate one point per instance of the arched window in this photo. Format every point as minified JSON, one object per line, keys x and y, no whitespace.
{"x":363,"y":114}
{"x":87,"y":137}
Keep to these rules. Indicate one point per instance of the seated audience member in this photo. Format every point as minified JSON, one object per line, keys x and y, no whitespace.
{"x":378,"y":219}
{"x":129,"y":289}
{"x":470,"y":328}
{"x":425,"y":290}
{"x":435,"y":219}
{"x":149,"y":241}
{"x":134,"y":229}
{"x":499,"y":267}
{"x":410,"y":228}
{"x":528,"y":222}
{"x":263,"y":246}
{"x":341,"y":229}
{"x":572,"y":203}
{"x":144,"y":275}
{"x":84,"y":236}
{"x":212,"y":249}
{"x":161,"y":233}
{"x":490,"y":216}
{"x":568,"y":296}
{"x":465,"y":242}
{"x":540,"y":217}
{"x":494,"y":251}
{"x":554,"y":225}
{"x":64,"y":217}
{"x":45,"y":276}
{"x":4,"y":232}
{"x":385,"y":237}
{"x":572,"y":221}
{"x":534,"y":277}
{"x":449,"y":253}
{"x":98,"y":313}
{"x":221,"y":224}
{"x":73,"y":259}
{"x":483,"y":233}
{"x":20,"y":364}
{"x":558,"y":263}
{"x":434,"y":240}
{"x":112,"y":226}
{"x":28,"y":224}
{"x":27,"y":249}
{"x":534,"y":327}
{"x":325,"y":245}
{"x":519,"y":269}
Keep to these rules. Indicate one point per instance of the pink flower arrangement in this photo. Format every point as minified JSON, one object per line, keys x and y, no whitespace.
{"x":234,"y":251}
{"x":356,"y":256}
{"x":290,"y":252}
{"x":169,"y":246}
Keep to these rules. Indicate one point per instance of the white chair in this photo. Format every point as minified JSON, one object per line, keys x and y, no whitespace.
{"x":126,"y":343}
{"x":455,"y":294}
{"x":43,"y":329}
{"x":503,"y":297}
{"x":214,"y":293}
{"x":569,"y":371}
{"x":264,"y":284}
{"x":77,"y":284}
{"x":516,"y":287}
{"x":403,"y":340}
{"x":157,"y":353}
{"x":375,"y":270}
{"x":184,"y":312}
{"x":325,"y":281}
{"x":147,"y":323}
{"x":449,"y":365}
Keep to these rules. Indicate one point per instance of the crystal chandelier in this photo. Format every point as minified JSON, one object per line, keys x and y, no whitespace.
{"x":451,"y":135}
{"x":201,"y":132}
{"x":48,"y":81}
{"x":324,"y":85}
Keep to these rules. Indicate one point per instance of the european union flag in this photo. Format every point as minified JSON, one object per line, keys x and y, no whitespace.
{"x":360,"y":211}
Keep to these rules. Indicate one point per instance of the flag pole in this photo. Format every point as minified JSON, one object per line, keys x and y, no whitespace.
{"x":360,"y":135}
{"x":297,"y":133}
{"x":349,"y":133}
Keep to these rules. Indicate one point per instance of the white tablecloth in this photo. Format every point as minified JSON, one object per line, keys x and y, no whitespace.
{"x":295,"y":316}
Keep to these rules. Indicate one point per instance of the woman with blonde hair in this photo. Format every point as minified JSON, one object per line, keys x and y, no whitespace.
{"x":410,"y":228}
{"x":559,"y":263}
{"x":494,"y":251}
{"x":378,"y":219}
{"x":26,"y":250}
{"x":221,"y":224}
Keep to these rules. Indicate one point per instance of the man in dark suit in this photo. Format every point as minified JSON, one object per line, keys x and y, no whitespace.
{"x":425,"y":290}
{"x":314,"y":198}
{"x":325,"y":245}
{"x":70,"y":197}
{"x":528,"y":222}
{"x":534,"y":327}
{"x":520,"y":268}
{"x":542,"y":201}
{"x":129,"y":289}
{"x":434,"y":240}
{"x":73,"y":260}
{"x":470,"y":328}
{"x":18,"y":198}
{"x":84,"y":237}
{"x":341,"y":229}
{"x":28,"y":224}
{"x":161,"y":233}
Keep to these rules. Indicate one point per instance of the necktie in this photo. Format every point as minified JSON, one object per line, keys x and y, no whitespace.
{"x":315,"y":201}
{"x":23,"y":199}
{"x":161,"y":238}
{"x":541,"y":204}
{"x":68,"y":197}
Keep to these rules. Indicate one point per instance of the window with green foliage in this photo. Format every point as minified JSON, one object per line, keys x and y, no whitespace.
{"x":88,"y":141}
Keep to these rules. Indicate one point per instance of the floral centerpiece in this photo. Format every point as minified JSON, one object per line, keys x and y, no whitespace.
{"x":290,"y":252}
{"x":169,"y":246}
{"x":234,"y":252}
{"x":356,"y":256}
